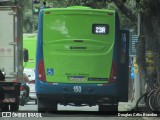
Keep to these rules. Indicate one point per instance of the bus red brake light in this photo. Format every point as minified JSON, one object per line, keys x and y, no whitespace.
{"x":41,"y":71}
{"x":21,"y":88}
{"x":113,"y":74}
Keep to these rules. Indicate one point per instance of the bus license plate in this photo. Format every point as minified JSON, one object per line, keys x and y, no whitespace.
{"x":76,"y":78}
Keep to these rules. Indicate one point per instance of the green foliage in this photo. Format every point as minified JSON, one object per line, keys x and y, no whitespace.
{"x":125,"y":23}
{"x":30,"y":21}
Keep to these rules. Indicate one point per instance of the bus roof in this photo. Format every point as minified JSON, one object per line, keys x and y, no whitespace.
{"x":30,"y":35}
{"x":79,"y":8}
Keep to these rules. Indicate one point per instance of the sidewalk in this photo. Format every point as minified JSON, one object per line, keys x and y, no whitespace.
{"x":125,"y":106}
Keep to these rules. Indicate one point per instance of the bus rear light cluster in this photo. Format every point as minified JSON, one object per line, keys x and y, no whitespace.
{"x":113,"y":73}
{"x":21,"y":88}
{"x":41,"y":71}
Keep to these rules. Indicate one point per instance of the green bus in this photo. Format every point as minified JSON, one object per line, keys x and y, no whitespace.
{"x":29,"y":43}
{"x":81,"y":59}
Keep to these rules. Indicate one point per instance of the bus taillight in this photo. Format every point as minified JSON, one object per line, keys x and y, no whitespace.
{"x":41,"y":71}
{"x":113,"y":74}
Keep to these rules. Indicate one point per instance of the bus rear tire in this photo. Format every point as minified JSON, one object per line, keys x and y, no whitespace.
{"x":108,"y":108}
{"x":47,"y":109}
{"x":14,"y":107}
{"x":5,"y":108}
{"x":46,"y":106}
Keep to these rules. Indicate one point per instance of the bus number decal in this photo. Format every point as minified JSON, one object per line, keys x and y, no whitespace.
{"x":100,"y":30}
{"x":77,"y":89}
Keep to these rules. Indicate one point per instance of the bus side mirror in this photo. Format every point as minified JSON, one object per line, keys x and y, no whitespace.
{"x":25,"y":55}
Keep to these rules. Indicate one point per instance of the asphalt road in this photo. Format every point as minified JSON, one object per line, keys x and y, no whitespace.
{"x":29,"y":111}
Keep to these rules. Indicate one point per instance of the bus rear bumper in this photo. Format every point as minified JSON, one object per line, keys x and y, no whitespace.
{"x":78,"y":93}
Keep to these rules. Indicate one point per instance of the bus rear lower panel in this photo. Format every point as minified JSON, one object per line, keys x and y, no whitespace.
{"x":89,"y":94}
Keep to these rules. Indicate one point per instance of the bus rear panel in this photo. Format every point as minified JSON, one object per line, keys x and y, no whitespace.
{"x":76,"y":60}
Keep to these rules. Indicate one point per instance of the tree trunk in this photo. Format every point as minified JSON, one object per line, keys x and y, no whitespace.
{"x":140,"y":59}
{"x":151,"y":40}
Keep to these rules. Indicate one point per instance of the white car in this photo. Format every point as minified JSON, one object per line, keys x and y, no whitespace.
{"x":31,"y":76}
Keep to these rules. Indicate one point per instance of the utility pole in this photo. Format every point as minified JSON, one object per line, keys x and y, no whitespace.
{"x":137,"y":82}
{"x":20,"y":42}
{"x":138,"y":86}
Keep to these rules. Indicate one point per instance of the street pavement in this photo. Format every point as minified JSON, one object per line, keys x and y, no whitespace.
{"x":70,"y":115}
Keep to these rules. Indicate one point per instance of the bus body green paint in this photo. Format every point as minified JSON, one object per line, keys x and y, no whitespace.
{"x":90,"y":58}
{"x":29,"y":43}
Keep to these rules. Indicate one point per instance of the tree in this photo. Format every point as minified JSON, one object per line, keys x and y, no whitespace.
{"x":149,"y":37}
